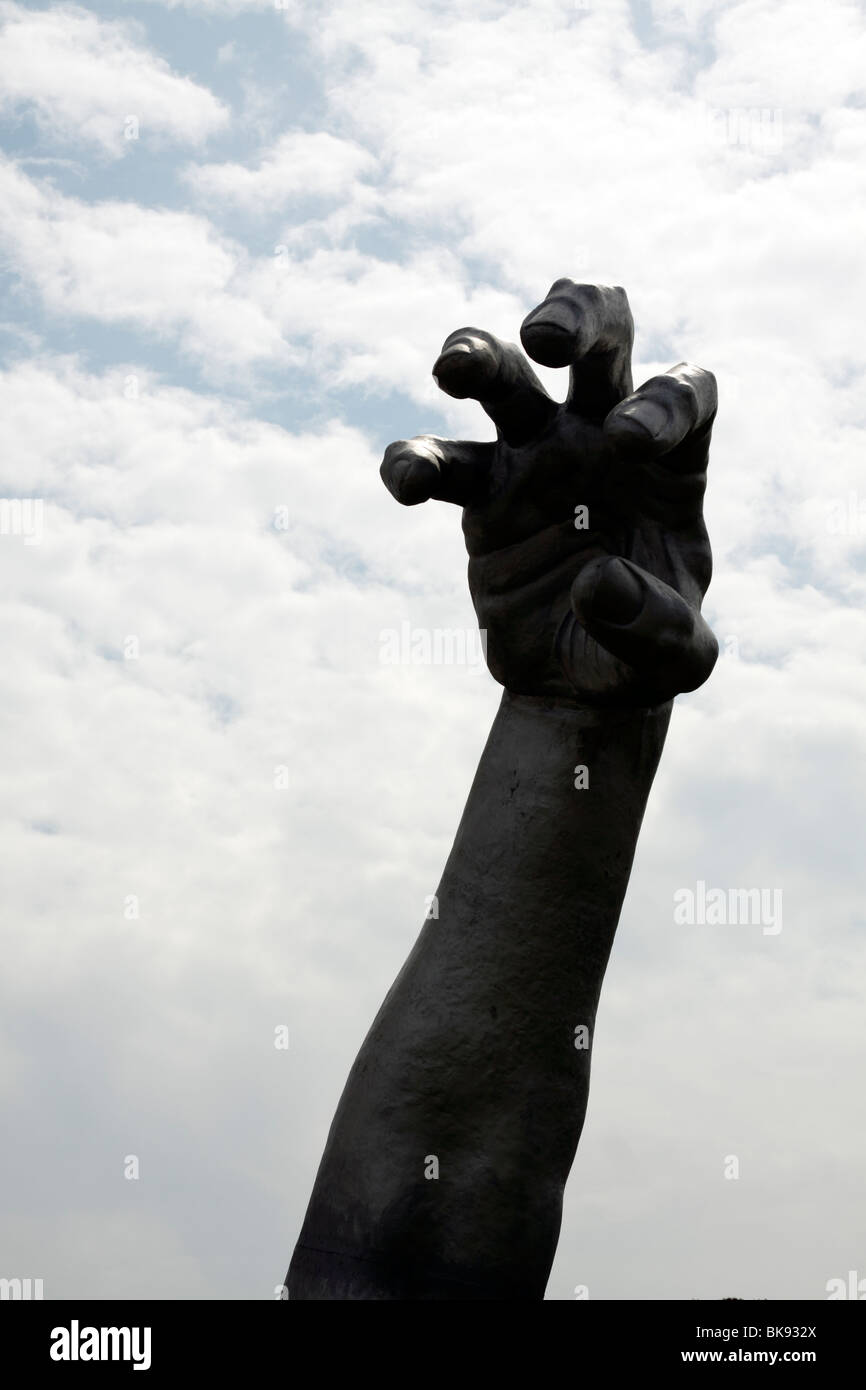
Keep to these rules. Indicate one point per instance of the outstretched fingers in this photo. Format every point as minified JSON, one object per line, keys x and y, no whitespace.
{"x":448,"y":470}
{"x":590,"y":329}
{"x":645,"y":623}
{"x":474,"y":364}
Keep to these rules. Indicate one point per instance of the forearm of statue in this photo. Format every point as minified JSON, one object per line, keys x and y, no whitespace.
{"x":444,"y":1170}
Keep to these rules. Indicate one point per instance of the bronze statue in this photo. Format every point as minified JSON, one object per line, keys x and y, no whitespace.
{"x":444,"y":1169}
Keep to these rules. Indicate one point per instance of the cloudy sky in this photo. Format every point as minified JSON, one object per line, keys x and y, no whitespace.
{"x":235,"y":234}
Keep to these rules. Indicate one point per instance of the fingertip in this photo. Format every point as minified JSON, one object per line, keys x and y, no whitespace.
{"x":548,"y":344}
{"x":645,"y":623}
{"x":409,"y":479}
{"x":550,"y":333}
{"x":467,"y":366}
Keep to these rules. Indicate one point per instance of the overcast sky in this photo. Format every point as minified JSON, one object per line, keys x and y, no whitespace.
{"x":235,"y":235}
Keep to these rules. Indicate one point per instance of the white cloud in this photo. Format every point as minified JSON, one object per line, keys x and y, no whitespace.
{"x":154,"y":777}
{"x":90,"y":80}
{"x":787,"y":55}
{"x":378,"y":324}
{"x":166,"y":272}
{"x":299,"y":165}
{"x":348,"y":316}
{"x":230,"y":7}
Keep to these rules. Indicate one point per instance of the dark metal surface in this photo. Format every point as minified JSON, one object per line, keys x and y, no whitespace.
{"x":444,"y":1169}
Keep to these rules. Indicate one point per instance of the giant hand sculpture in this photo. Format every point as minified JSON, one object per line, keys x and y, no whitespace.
{"x":445,"y":1166}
